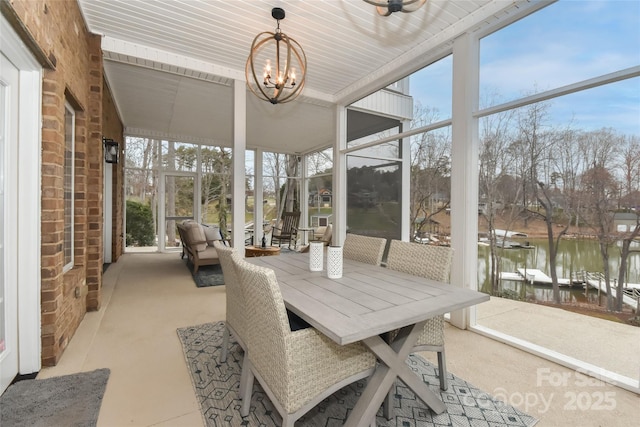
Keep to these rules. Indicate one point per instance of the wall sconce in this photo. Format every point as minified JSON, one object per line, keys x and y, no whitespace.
{"x":111,"y":150}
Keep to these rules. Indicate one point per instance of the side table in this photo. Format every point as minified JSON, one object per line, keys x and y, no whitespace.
{"x":305,"y":237}
{"x":253,"y":251}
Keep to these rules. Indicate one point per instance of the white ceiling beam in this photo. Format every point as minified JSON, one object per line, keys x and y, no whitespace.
{"x":154,"y":134}
{"x":132,"y":52}
{"x":144,"y":56}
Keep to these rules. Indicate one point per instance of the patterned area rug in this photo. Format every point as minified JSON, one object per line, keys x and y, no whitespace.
{"x":207,"y":275}
{"x":211,"y":275}
{"x":216,"y":386}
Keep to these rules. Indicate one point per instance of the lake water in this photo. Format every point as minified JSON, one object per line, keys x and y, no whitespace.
{"x":573,"y":256}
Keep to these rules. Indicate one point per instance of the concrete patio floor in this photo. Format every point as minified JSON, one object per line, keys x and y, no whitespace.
{"x":148,"y":296}
{"x":604,"y":343}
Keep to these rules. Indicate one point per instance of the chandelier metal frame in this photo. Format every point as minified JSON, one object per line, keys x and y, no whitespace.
{"x":283,"y":85}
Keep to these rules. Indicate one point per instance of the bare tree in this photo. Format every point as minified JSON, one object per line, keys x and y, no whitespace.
{"x":495,"y":167}
{"x":223,"y":164}
{"x":291,"y":190}
{"x":630,"y":163}
{"x":215,"y":182}
{"x":600,"y":188}
{"x":284,"y":172}
{"x":538,"y":142}
{"x":430,"y":171}
{"x":569,"y":165}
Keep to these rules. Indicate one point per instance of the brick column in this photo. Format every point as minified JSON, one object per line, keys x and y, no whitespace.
{"x":95,"y":187}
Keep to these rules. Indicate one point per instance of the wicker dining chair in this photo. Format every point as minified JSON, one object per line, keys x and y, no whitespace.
{"x":296,"y":369}
{"x":236,"y":314}
{"x":431,"y":262}
{"x":364,"y":248}
{"x":236,"y":318}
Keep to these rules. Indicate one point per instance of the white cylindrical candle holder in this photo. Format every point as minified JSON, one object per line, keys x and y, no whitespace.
{"x":334,"y":262}
{"x":315,"y":256}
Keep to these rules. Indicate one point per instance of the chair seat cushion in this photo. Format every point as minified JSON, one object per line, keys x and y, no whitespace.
{"x":296,"y":322}
{"x":208,"y":253}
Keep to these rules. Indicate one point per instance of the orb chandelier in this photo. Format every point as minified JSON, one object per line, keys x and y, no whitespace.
{"x":280,"y":80}
{"x":386,"y":8}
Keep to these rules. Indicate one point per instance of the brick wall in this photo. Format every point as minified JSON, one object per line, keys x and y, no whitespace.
{"x":112,"y":128}
{"x":74,"y":75}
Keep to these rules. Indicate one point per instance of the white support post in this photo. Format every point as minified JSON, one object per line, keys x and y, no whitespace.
{"x":340,"y":177}
{"x":238,"y":160}
{"x":405,"y":206}
{"x":464,"y":169}
{"x":258,"y":198}
{"x":304,"y":193}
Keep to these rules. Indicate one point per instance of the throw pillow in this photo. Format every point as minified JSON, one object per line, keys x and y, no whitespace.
{"x":326,"y":237}
{"x":211,"y":234}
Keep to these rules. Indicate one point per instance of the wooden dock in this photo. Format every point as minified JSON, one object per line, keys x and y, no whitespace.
{"x":630,"y":297}
{"x":596,"y":280}
{"x":535,"y":276}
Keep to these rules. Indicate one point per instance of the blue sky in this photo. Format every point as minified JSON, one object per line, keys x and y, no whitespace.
{"x":566,"y":42}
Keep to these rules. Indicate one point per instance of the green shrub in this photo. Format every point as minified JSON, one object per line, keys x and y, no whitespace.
{"x":140,"y":230}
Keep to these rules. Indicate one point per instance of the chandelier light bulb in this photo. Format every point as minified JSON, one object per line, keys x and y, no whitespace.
{"x":267,"y":72}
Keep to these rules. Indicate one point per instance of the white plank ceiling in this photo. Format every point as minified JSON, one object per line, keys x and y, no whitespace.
{"x":171,"y":64}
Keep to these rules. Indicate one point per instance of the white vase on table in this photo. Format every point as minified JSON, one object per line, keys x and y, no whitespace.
{"x":316,"y":256}
{"x":334,"y":262}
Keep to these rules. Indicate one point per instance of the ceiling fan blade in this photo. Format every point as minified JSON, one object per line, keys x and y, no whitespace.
{"x":383,"y":11}
{"x":413,"y":6}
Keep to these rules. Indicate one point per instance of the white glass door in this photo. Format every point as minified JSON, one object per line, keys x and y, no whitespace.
{"x":9,"y":76}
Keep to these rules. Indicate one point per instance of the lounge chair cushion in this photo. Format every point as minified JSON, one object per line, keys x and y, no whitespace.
{"x":208,"y":253}
{"x":196,"y":236}
{"x":326,"y":237}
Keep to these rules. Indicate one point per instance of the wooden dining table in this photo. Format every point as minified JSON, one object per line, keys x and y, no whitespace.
{"x":362,"y":305}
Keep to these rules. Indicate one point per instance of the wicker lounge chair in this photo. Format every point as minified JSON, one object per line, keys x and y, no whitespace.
{"x":296,"y":369}
{"x":431,"y":262}
{"x":364,"y":248}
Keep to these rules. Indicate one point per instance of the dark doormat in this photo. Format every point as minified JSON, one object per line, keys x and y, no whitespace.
{"x":70,"y":400}
{"x":207,"y":275}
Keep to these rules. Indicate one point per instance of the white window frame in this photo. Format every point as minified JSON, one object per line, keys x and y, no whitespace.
{"x":69,"y":110}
